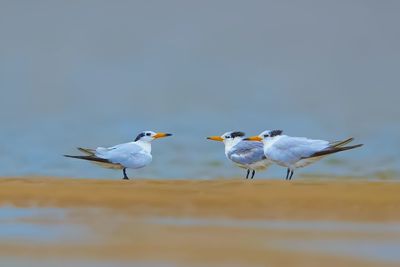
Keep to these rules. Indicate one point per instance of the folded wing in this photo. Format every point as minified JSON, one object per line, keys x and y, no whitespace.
{"x":292,"y":149}
{"x":119,"y":153}
{"x":119,"y":156}
{"x":246,"y":152}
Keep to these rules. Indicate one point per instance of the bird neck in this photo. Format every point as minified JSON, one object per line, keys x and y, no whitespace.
{"x":270,"y":141}
{"x":146,"y":145}
{"x":231,"y":143}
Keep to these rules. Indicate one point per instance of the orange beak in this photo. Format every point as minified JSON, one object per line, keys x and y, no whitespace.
{"x":161,"y":135}
{"x":215,"y":138}
{"x":253,"y":138}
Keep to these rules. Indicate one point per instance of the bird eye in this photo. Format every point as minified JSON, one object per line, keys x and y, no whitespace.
{"x":266,"y":135}
{"x":148,"y":134}
{"x":227,"y":137}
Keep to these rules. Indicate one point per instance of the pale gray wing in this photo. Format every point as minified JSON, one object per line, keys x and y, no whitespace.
{"x":247,"y":152}
{"x":292,"y":149}
{"x":119,"y":153}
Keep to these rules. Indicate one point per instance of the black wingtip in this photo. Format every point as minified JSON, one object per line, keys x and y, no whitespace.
{"x":344,"y":148}
{"x":332,"y":150}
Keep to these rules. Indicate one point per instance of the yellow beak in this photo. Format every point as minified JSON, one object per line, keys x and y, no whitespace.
{"x":253,"y":138}
{"x":161,"y":135}
{"x":215,"y":138}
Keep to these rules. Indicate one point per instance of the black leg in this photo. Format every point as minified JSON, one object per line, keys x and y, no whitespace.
{"x":125,"y":176}
{"x":252,"y":175}
{"x":248,"y":172}
{"x":291,"y":174}
{"x":287,"y":174}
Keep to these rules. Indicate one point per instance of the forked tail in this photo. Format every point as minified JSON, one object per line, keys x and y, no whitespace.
{"x":331,"y":150}
{"x":341,"y":143}
{"x":87,"y":151}
{"x":90,"y":158}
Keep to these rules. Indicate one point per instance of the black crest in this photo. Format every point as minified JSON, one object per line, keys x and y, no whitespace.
{"x":139,"y":136}
{"x":237,"y":134}
{"x":275,"y":133}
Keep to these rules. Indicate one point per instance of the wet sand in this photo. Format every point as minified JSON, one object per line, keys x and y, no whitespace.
{"x":207,"y":222}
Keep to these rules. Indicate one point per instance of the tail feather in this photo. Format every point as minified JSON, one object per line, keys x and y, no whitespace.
{"x":331,"y":150}
{"x":90,"y":158}
{"x":88,"y":151}
{"x":99,"y":161}
{"x":341,"y":143}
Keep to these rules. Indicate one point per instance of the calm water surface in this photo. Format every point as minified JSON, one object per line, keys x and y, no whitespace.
{"x":379,"y":242}
{"x":96,"y":73}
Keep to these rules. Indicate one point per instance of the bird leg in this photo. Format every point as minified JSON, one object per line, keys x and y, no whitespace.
{"x":125,"y":176}
{"x":252,"y":175}
{"x":248,"y":172}
{"x":291,"y":174}
{"x":287,"y":174}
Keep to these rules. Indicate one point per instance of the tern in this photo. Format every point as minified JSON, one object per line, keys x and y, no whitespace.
{"x":245,"y":154}
{"x":133,"y":155}
{"x":297,"y":152}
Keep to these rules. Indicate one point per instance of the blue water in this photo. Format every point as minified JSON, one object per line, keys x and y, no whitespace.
{"x":323,"y":226}
{"x":367,"y":249}
{"x":367,"y":246}
{"x":378,"y":242}
{"x":96,"y":74}
{"x":187,"y":154}
{"x":26,"y":224}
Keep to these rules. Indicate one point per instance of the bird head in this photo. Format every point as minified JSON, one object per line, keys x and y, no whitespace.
{"x":148,"y":136}
{"x":265,"y":136}
{"x":228,"y":137}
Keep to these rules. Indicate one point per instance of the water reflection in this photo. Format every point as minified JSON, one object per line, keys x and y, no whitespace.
{"x":37,"y":227}
{"x":42,"y":225}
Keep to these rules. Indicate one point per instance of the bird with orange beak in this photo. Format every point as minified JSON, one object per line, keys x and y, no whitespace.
{"x":132,"y":155}
{"x":296,"y":152}
{"x":245,"y":154}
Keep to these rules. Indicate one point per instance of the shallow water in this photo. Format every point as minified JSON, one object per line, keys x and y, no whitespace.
{"x":42,"y":225}
{"x":185,"y":155}
{"x":329,"y":226}
{"x":375,"y":250}
{"x":197,"y":70}
{"x":361,"y":246}
{"x":376,"y":242}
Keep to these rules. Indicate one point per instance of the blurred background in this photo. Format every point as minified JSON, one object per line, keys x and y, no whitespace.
{"x":96,"y":73}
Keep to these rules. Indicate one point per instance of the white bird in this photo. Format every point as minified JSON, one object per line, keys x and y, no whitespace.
{"x":133,"y":155}
{"x":245,"y":154}
{"x":297,"y":152}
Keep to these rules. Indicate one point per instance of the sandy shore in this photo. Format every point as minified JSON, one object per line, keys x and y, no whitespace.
{"x":259,"y":199}
{"x":198,"y":223}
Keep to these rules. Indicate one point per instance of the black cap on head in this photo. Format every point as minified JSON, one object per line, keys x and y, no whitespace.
{"x":140,"y":136}
{"x":237,"y":134}
{"x":275,"y":133}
